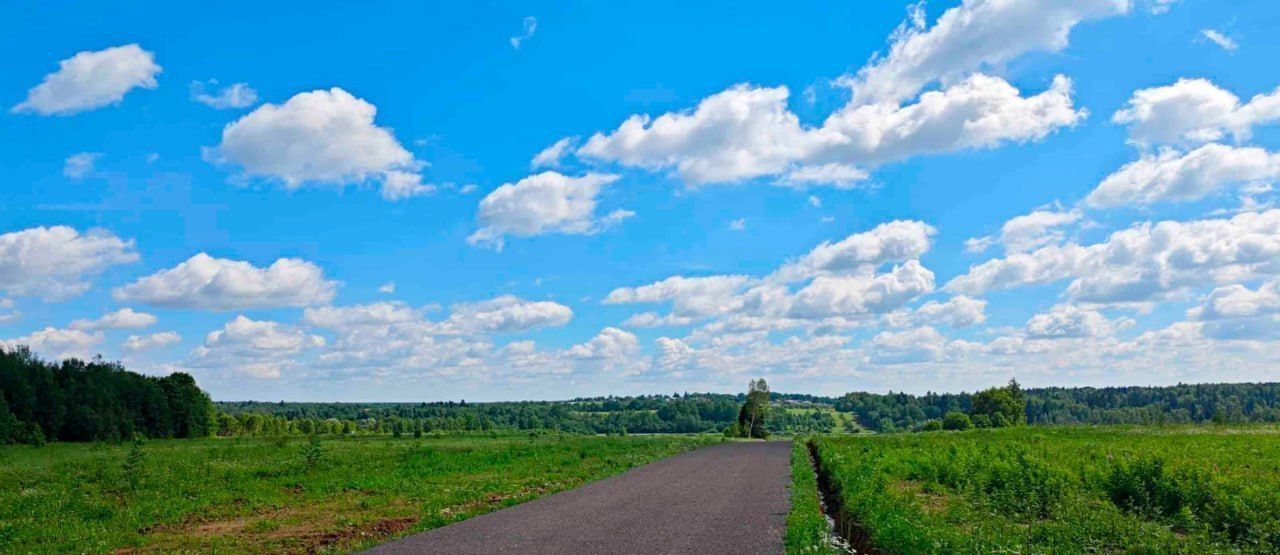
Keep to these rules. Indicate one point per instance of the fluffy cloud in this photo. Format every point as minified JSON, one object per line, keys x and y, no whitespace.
{"x":210,"y":283}
{"x":506,"y":314}
{"x":839,"y":176}
{"x":691,"y":297}
{"x":1173,"y":176}
{"x":1237,"y":312}
{"x":254,"y":348}
{"x":976,"y":34}
{"x":320,"y":138}
{"x":235,"y":95}
{"x":958,"y":312}
{"x":1144,"y":262}
{"x":54,"y":262}
{"x":1194,"y":111}
{"x":747,"y":132}
{"x":896,"y":241}
{"x":136,"y":343}
{"x":92,"y":79}
{"x":866,"y":294}
{"x":57,"y":343}
{"x":549,"y":202}
{"x":905,"y":347}
{"x":1068,"y":321}
{"x":78,"y":166}
{"x":349,"y":317}
{"x":125,"y":318}
{"x":550,"y":157}
{"x":609,"y":344}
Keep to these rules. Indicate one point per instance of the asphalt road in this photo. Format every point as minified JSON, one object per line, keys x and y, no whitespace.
{"x":725,"y":498}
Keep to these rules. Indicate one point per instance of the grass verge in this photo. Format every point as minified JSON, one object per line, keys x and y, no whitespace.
{"x":806,"y":525}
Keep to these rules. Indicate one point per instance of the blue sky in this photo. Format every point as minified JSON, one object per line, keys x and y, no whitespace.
{"x":366,"y":202}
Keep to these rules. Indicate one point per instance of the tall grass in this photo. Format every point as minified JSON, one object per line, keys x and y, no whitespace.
{"x":1063,"y":490}
{"x":806,"y":525}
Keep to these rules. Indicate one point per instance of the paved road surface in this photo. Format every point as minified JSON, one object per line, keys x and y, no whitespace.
{"x":728,"y":498}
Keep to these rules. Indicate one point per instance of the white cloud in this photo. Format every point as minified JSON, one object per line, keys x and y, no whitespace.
{"x":1037,"y":229}
{"x":58,"y":343}
{"x":1067,"y":321}
{"x":975,"y":35}
{"x":55,"y":262}
{"x":815,"y":202}
{"x":78,"y":166}
{"x":233,"y":96}
{"x":388,"y":288}
{"x":957,"y":312}
{"x":896,"y":241}
{"x":1194,"y":111}
{"x":610,"y":344}
{"x":350,"y":317}
{"x":830,"y":296}
{"x":917,"y":345}
{"x":125,"y":318}
{"x":529,"y":26}
{"x":92,"y":79}
{"x":550,"y":157}
{"x":1223,"y":41}
{"x":739,"y":224}
{"x":254,"y":348}
{"x":1144,"y":262}
{"x":1169,"y":176}
{"x":691,"y":297}
{"x":320,"y":138}
{"x":506,"y":314}
{"x":136,"y":343}
{"x":548,"y":202}
{"x":746,"y":132}
{"x":839,"y":176}
{"x":1237,"y":312}
{"x":210,"y":283}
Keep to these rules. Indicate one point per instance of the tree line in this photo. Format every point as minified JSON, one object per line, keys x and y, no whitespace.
{"x":77,"y":400}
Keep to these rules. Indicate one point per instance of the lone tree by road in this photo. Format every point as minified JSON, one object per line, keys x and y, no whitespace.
{"x":751,"y":418}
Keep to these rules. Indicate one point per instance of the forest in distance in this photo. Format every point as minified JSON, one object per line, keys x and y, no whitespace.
{"x":75,"y":400}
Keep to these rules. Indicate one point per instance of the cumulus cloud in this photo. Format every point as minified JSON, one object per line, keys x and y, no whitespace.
{"x":1237,"y":312}
{"x":550,"y":157}
{"x":57,"y":343}
{"x":835,"y":175}
{"x":233,"y":96}
{"x":210,"y":283}
{"x":548,"y":202}
{"x":320,"y":138}
{"x":1067,"y":321}
{"x":348,"y":317}
{"x":125,"y":318}
{"x":917,"y":345}
{"x":92,"y":79}
{"x":56,"y":262}
{"x":975,"y":35}
{"x":506,"y":314}
{"x":1170,"y":176}
{"x":896,"y":241}
{"x":1144,"y":262}
{"x":747,"y":132}
{"x":957,"y":312}
{"x":78,"y":166}
{"x":691,"y":297}
{"x":137,"y":343}
{"x":254,"y":348}
{"x":864,"y":294}
{"x":1194,"y":111}
{"x":388,"y":288}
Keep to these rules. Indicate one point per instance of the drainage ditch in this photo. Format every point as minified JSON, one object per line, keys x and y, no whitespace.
{"x":843,"y":532}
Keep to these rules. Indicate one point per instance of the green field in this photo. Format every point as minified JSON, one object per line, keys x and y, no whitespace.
{"x":1193,"y":490}
{"x":266,"y":495}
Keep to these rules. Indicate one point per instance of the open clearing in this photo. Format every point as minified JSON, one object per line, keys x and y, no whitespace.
{"x":261,"y":495}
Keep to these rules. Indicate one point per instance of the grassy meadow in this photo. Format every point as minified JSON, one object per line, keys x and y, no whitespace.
{"x":1179,"y":489}
{"x":255,"y":495}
